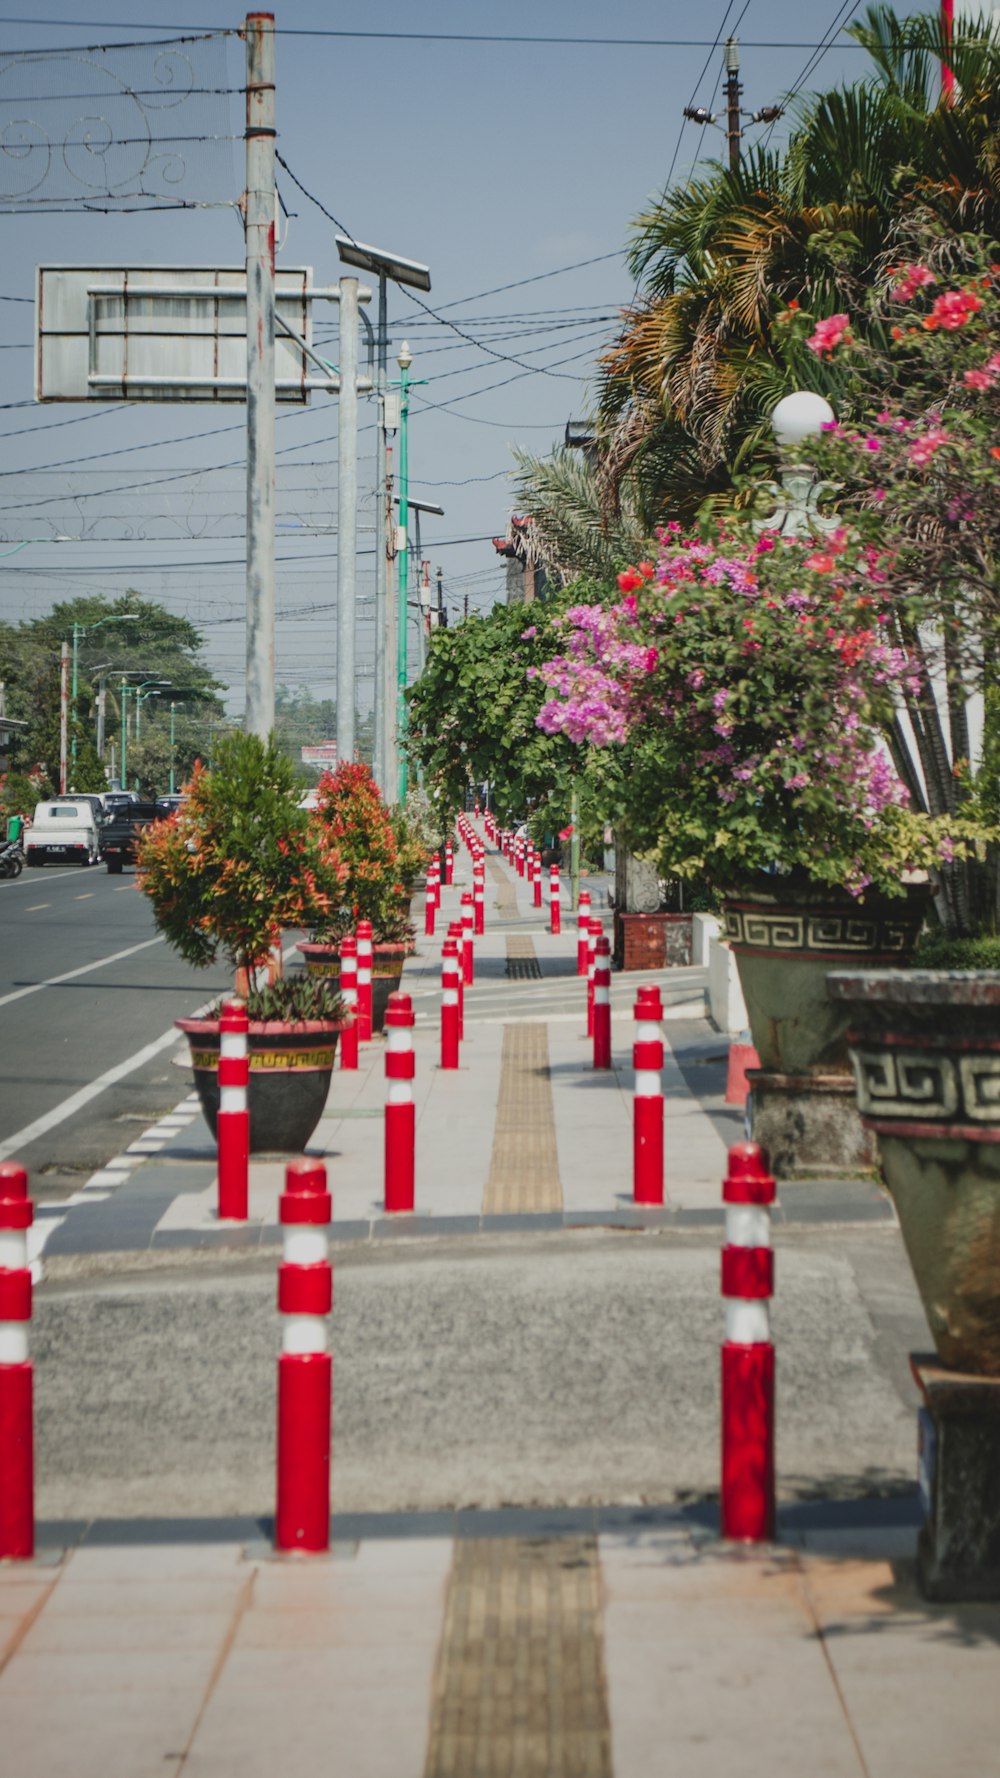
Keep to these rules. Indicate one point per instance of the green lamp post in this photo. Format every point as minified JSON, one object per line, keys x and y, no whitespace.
{"x":117,"y":617}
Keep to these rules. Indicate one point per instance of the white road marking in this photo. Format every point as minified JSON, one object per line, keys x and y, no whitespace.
{"x":38,"y":906}
{"x":76,"y":1101}
{"x":88,"y":897}
{"x":85,"y":969}
{"x":51,"y":877}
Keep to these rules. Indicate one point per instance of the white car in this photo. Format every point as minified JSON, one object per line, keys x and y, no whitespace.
{"x":63,"y":831}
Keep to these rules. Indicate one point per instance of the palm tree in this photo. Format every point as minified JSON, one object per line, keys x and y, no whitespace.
{"x":686,"y":387}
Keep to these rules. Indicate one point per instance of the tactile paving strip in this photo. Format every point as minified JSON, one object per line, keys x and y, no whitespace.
{"x":524,"y":1166}
{"x":522,"y":963}
{"x":520,"y":1688}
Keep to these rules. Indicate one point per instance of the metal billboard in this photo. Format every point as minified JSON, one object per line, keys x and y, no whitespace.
{"x":167,"y":333}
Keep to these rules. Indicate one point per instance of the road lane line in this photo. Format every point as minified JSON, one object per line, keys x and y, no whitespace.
{"x":37,"y":907}
{"x":53,"y":877}
{"x":76,"y":1101}
{"x":85,"y":969}
{"x":88,"y":897}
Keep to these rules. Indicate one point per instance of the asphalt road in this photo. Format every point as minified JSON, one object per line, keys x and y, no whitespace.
{"x":509,"y":1370}
{"x":122,"y":989}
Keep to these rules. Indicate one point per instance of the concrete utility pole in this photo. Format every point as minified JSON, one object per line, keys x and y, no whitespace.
{"x":347,"y":519}
{"x":260,"y":198}
{"x":390,"y":628}
{"x":381,"y":561}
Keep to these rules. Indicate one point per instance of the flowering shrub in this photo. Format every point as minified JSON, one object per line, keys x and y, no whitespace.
{"x":916,"y":457}
{"x":752,"y":680}
{"x":353,"y":816}
{"x":238,"y":861}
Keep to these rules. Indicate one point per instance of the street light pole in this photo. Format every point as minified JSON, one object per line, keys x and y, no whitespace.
{"x":116,"y":617}
{"x":404,"y":360}
{"x":260,"y":135}
{"x":347,"y":519}
{"x":173,"y":707}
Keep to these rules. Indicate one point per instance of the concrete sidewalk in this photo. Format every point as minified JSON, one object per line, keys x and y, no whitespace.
{"x":516,"y":1649}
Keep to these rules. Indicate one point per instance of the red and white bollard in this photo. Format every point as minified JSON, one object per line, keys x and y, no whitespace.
{"x":305,"y":1368}
{"x":555,"y":906}
{"x":602,"y":1003}
{"x":536,"y":881}
{"x":232,"y":1128}
{"x":647,"y":1119}
{"x":430,"y":906}
{"x":479,"y":895}
{"x":747,"y":1502}
{"x":365,"y":958}
{"x":349,"y":995}
{"x":594,"y":930}
{"x":583,"y":933}
{"x":455,"y":933}
{"x":449,"y":865}
{"x":468,"y":959}
{"x":17,"y":1464}
{"x":400,"y":1110}
{"x":450,"y":978}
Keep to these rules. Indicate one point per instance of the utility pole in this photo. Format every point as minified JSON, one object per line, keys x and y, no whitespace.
{"x":260,"y":134}
{"x":404,"y":360}
{"x":442,"y":615}
{"x":390,"y":758}
{"x":734,"y":92}
{"x":347,"y":519}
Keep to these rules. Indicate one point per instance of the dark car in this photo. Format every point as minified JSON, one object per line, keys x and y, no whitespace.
{"x":118,"y":835}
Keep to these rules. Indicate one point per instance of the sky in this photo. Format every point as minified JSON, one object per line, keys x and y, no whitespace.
{"x":512,"y":168}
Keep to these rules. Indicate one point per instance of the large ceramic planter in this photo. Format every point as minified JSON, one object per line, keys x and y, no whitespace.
{"x":925,"y":1048}
{"x":290,"y":1070}
{"x":387,"y":971}
{"x":786,"y":938}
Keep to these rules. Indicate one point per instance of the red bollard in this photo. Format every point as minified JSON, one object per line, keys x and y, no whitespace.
{"x":647,"y":1119}
{"x":400,"y":1111}
{"x":305,"y":1368}
{"x":450,"y":977}
{"x":594,"y":930}
{"x":468,"y":960}
{"x":519,"y":855}
{"x":602,"y":1004}
{"x":232,"y":1130}
{"x":536,"y":890}
{"x":479,"y":895}
{"x":430,"y":907}
{"x":583,"y":933}
{"x":364,"y":981}
{"x":455,"y":933}
{"x":449,"y":865}
{"x":17,"y":1463}
{"x":747,"y":1501}
{"x":555,"y":906}
{"x":349,"y":992}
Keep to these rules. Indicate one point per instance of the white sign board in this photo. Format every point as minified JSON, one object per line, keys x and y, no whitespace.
{"x":324,"y":753}
{"x":165,"y":333}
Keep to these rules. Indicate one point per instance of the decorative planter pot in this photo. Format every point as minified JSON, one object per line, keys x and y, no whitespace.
{"x":290,"y":1070}
{"x":387,"y":971}
{"x":925,"y":1047}
{"x":786,"y":937}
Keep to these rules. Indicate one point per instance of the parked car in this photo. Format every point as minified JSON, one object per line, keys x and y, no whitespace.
{"x":64,"y":830}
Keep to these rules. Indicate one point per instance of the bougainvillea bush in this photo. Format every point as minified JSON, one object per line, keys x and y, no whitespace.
{"x":916,"y":457}
{"x":752,"y":680}
{"x":238,"y":861}
{"x":351,"y":812}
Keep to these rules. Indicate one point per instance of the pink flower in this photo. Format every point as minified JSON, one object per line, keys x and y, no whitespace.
{"x":978,"y":379}
{"x":911,"y":279}
{"x":952,"y":309}
{"x":532,"y":631}
{"x":828,"y":334}
{"x":822,"y":563}
{"x":922,"y":449}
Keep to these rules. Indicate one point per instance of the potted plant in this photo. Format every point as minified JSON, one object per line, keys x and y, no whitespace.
{"x":237,"y":862}
{"x":352,"y":816}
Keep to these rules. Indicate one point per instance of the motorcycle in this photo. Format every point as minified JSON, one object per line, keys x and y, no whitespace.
{"x":11,"y":858}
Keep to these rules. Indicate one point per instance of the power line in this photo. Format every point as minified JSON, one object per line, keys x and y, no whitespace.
{"x":395,"y":36}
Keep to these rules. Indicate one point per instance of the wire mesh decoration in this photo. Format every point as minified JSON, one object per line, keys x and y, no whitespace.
{"x":134,"y":126}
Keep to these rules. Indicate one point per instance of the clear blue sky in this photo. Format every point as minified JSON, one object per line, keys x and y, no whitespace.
{"x":493,"y":162}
